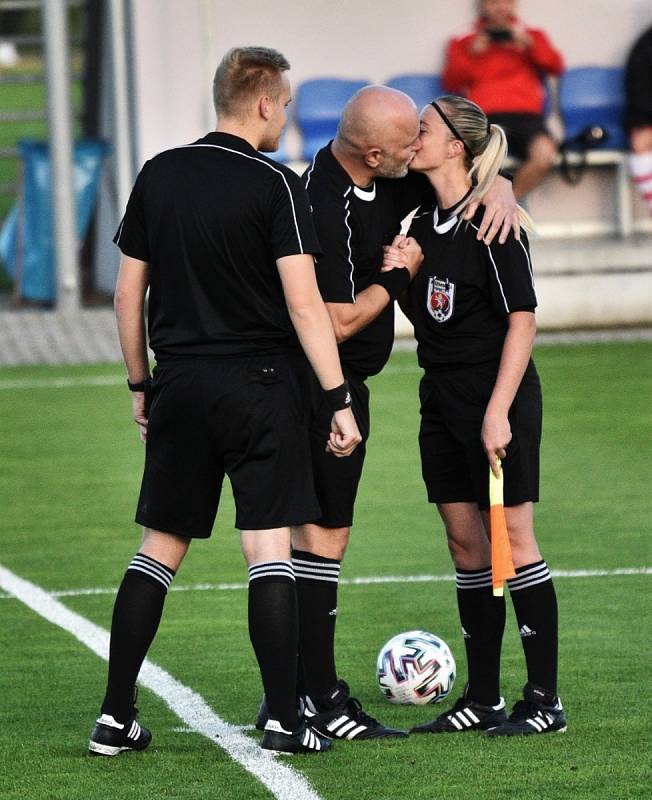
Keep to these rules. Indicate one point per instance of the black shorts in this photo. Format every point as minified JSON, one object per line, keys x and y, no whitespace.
{"x":243,"y":417}
{"x":520,"y":129}
{"x":336,"y":479}
{"x":453,"y":462}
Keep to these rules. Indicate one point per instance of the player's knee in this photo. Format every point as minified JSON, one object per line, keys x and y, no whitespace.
{"x":325,"y":542}
{"x":166,"y":548}
{"x":467,"y":554}
{"x":542,"y":153}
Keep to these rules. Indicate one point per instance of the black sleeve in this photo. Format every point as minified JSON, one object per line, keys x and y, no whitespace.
{"x":510,"y":279}
{"x":292,"y":227}
{"x":335,"y":266}
{"x":131,"y":236}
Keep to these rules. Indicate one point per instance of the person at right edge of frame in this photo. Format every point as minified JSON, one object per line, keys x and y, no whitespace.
{"x":472,"y":306}
{"x":223,"y":238}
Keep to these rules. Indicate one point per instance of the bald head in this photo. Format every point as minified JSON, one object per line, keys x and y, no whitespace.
{"x":377,"y":116}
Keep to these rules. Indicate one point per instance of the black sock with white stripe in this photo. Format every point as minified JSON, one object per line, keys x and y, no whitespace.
{"x":317,"y":581}
{"x":136,"y":615}
{"x":535,"y":604}
{"x":274,"y":633}
{"x":483,"y":621}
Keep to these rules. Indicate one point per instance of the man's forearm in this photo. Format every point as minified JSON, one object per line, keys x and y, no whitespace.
{"x":131,"y":331}
{"x":313,"y":326}
{"x":350,"y":318}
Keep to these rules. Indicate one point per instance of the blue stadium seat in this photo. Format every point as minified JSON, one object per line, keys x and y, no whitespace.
{"x":420,"y":87}
{"x":319,"y":105}
{"x":594,"y":96}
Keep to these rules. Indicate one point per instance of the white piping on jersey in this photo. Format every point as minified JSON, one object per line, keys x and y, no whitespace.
{"x":529,"y":263}
{"x":348,"y":241}
{"x":500,"y":286}
{"x":309,"y":173}
{"x":368,"y":195}
{"x":122,"y":224}
{"x":260,"y":161}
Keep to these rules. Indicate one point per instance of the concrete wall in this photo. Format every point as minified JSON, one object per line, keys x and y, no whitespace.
{"x":177,"y":44}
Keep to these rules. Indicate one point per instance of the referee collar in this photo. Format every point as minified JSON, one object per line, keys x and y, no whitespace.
{"x":228,"y":140}
{"x":327,"y":162}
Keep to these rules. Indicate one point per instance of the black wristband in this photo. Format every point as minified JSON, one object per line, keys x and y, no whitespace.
{"x":339,"y":398}
{"x":141,"y":386}
{"x":394,"y":281}
{"x":505,"y":174}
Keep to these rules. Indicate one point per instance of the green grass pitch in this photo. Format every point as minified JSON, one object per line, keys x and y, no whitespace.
{"x":69,"y":473}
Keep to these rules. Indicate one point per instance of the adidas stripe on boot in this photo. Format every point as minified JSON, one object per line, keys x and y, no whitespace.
{"x":538,"y":712}
{"x":304,"y":740}
{"x":341,"y":717}
{"x":464,"y":716}
{"x":110,"y":738}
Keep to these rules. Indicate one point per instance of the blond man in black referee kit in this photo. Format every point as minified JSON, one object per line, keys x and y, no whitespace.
{"x":358,"y":205}
{"x":223,"y":238}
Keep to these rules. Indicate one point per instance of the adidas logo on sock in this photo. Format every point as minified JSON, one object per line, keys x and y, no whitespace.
{"x":332,"y":613}
{"x":525,"y":632}
{"x":465,"y":634}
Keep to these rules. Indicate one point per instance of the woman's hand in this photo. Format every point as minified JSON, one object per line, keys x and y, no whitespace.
{"x":496,"y":435}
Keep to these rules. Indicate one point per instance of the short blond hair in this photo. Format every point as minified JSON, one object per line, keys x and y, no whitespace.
{"x":244,"y":74}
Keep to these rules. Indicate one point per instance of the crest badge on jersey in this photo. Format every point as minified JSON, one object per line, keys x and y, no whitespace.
{"x":440,"y":299}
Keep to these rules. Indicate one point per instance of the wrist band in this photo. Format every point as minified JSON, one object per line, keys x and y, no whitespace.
{"x":141,"y":386}
{"x":505,"y":174}
{"x":339,"y":398}
{"x":394,"y":281}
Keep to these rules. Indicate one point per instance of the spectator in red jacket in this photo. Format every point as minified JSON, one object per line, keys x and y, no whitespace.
{"x":500,"y":65}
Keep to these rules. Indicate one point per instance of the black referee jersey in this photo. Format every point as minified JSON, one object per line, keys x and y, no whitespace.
{"x":461,"y":297}
{"x":211,"y":218}
{"x":353,"y":224}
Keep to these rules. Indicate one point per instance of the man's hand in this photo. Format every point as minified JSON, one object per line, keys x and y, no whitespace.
{"x":404,"y":251}
{"x":138,"y":411}
{"x":496,"y":435}
{"x":501,"y":212}
{"x":344,"y":436}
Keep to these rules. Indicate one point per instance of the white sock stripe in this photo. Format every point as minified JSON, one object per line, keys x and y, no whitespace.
{"x":317,"y":564}
{"x":143,"y":559}
{"x":480,"y":583}
{"x":268,"y":564}
{"x":531,"y":570}
{"x":140,"y":568}
{"x":531,"y":573}
{"x":272,"y":574}
{"x":332,"y":573}
{"x":527,"y":585}
{"x":268,"y":569}
{"x":307,"y":576}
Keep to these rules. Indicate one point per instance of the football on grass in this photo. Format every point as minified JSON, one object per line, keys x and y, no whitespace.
{"x":415,"y":668}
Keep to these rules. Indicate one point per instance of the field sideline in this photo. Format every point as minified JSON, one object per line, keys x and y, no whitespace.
{"x":68,"y":481}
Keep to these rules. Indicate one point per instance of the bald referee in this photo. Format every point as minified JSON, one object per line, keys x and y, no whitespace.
{"x":360,"y":191}
{"x":223,"y":238}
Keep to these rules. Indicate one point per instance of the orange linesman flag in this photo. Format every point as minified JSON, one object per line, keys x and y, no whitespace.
{"x":502,"y":566}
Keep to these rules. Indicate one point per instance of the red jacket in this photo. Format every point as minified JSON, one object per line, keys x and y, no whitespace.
{"x":503,"y":79}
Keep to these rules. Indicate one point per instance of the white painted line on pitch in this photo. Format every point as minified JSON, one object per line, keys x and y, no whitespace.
{"x":362,"y":581}
{"x":283,"y":781}
{"x":62,"y":383}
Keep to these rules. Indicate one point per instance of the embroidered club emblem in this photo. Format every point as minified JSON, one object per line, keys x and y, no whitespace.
{"x":440,"y":299}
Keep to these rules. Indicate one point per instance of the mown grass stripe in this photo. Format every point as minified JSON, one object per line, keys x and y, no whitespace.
{"x":283,"y":781}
